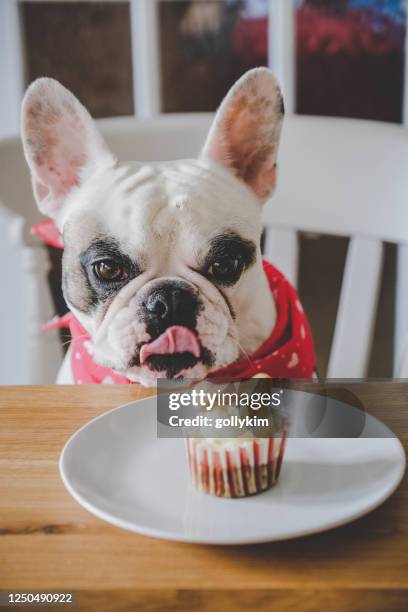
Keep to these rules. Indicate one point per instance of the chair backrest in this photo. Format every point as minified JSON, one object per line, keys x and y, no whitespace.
{"x":345,"y":177}
{"x":336,"y":176}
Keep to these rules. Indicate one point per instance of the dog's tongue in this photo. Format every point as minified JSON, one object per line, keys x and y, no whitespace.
{"x":176,"y":339}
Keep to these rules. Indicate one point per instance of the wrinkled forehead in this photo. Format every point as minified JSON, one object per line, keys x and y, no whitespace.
{"x":143,"y":203}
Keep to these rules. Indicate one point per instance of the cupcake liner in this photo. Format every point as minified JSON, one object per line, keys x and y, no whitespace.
{"x":235,"y":468}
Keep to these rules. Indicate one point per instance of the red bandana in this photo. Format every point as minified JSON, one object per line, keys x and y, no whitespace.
{"x":287,"y":353}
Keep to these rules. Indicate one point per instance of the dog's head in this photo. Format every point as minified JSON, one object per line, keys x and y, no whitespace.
{"x":162,"y":262}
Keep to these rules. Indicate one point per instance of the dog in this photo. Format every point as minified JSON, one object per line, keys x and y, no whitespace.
{"x":162,"y":264}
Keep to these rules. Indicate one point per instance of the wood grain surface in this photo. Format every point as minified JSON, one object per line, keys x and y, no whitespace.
{"x":49,"y":543}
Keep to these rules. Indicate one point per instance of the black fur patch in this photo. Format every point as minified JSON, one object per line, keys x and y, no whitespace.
{"x":230,"y":244}
{"x":106,"y":249}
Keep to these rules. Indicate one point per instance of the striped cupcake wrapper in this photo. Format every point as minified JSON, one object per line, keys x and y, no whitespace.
{"x":245,"y":469}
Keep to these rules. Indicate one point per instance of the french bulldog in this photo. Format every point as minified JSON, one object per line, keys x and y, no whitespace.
{"x":162,"y":262}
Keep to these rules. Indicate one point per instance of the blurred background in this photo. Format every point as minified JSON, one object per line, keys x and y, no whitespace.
{"x":339,"y":58}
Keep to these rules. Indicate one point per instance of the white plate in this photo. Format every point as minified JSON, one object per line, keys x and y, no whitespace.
{"x":117,"y":469}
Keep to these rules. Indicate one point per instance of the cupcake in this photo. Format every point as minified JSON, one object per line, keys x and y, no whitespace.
{"x":231,"y":458}
{"x":235,"y":467}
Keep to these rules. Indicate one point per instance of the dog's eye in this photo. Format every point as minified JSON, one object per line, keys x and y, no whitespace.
{"x":226,"y":269}
{"x":109,"y":270}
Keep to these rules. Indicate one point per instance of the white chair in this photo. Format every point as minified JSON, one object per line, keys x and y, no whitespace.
{"x":349,"y":178}
{"x":336,"y":176}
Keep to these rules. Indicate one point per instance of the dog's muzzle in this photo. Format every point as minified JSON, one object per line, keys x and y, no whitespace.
{"x":169,"y":312}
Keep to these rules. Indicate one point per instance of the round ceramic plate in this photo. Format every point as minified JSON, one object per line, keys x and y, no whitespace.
{"x":117,"y":469}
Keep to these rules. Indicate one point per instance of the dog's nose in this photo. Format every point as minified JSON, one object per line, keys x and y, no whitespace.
{"x":158,"y":303}
{"x":171,"y":305}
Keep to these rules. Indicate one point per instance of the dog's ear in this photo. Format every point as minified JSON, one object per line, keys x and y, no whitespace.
{"x":61,"y":143}
{"x":244,"y":136}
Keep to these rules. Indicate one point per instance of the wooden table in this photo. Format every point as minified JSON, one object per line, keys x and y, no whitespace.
{"x":49,"y":543}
